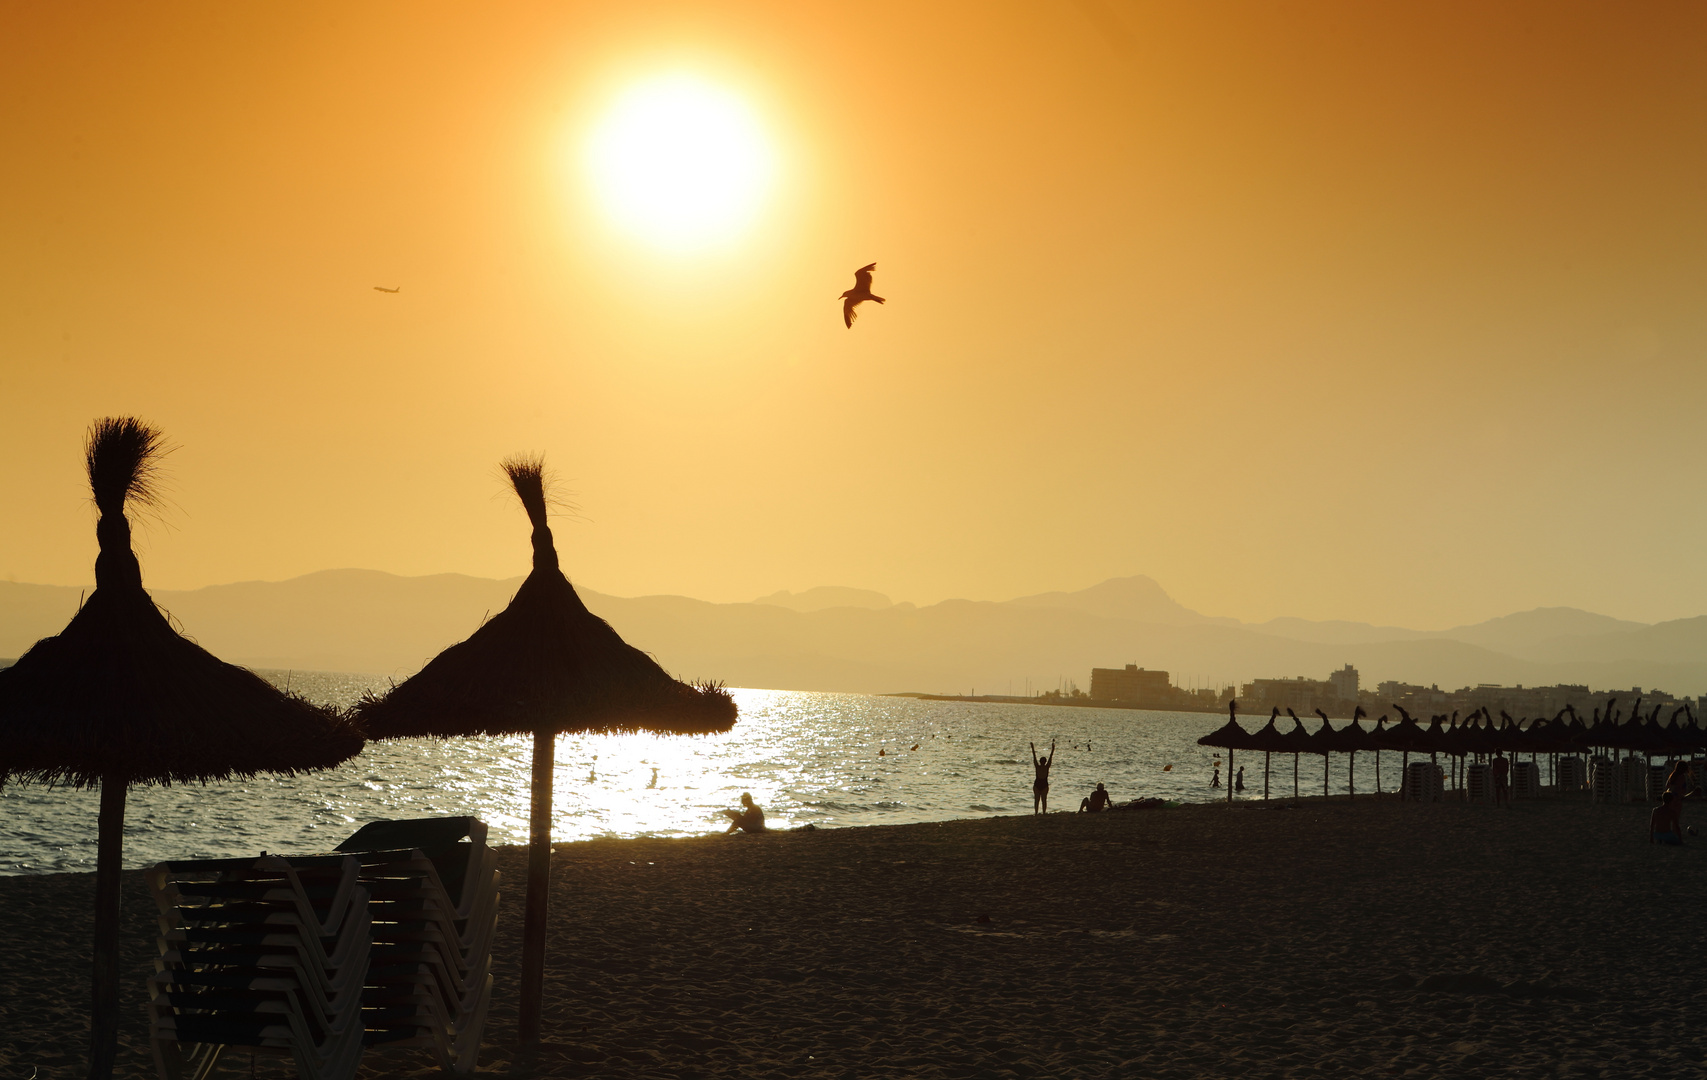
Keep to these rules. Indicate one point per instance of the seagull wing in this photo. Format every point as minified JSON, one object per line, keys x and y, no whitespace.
{"x":848,"y":313}
{"x":862,"y":277}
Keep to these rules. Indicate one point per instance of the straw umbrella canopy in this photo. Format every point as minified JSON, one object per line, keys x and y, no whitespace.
{"x":1298,"y":741}
{"x":1511,"y":736}
{"x":1682,"y":738}
{"x":1324,"y":742}
{"x":1230,"y":737}
{"x":119,"y":698}
{"x":1349,"y":740}
{"x":1270,"y":741}
{"x":543,"y":666}
{"x":1376,"y":740}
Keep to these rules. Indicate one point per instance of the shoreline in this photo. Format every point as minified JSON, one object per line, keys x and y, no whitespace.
{"x":1348,"y":938}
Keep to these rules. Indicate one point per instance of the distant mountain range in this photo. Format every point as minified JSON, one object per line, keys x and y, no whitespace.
{"x":857,"y":640}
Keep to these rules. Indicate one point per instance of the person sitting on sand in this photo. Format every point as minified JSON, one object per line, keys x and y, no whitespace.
{"x":1097,"y":802}
{"x":749,"y":818}
{"x":1665,"y":824}
{"x":1502,"y":780}
{"x":1040,"y":786}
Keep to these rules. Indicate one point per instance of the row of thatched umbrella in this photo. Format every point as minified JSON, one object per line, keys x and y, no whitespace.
{"x":119,"y":699}
{"x":1478,"y":734}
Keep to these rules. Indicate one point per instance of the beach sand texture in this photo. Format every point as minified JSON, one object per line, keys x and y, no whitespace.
{"x":1200,"y":941}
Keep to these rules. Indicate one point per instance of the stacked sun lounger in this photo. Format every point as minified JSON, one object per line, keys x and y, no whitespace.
{"x":1633,"y":779}
{"x":1525,"y":780}
{"x":1657,"y":782}
{"x":433,"y":885}
{"x":1602,"y":778}
{"x":266,"y":954}
{"x":1477,"y":782}
{"x":1571,"y":774}
{"x":1424,"y":782}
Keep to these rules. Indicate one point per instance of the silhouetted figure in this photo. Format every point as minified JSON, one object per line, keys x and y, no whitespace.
{"x":859,"y":294}
{"x":1040,"y":786}
{"x":1680,"y":780}
{"x":749,"y":818}
{"x":1502,"y":780}
{"x":1239,"y":781}
{"x":1665,"y":824}
{"x":1096,"y":803}
{"x":1215,"y":781}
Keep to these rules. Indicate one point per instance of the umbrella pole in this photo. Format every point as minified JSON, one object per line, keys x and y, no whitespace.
{"x":1266,"y":755}
{"x":538,"y":890}
{"x":109,"y":860}
{"x":1294,"y":776}
{"x":1351,"y":775}
{"x":1325,"y":760}
{"x":1229,"y":774}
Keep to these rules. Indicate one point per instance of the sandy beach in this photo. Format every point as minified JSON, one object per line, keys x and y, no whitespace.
{"x":1327,"y":939}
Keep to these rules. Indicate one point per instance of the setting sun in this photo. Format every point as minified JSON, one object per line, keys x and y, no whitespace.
{"x":680,"y":162}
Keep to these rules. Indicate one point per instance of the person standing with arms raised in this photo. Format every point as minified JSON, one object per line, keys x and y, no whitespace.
{"x":1040,"y":786}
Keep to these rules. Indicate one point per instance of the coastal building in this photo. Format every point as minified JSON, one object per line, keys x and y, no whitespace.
{"x":1344,"y":683}
{"x":1131,"y":683}
{"x":1299,"y":694}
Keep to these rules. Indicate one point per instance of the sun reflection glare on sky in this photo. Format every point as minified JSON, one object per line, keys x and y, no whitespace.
{"x":680,"y":162}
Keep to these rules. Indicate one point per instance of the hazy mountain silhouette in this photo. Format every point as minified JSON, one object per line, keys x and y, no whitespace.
{"x":827,"y":596}
{"x":1138,"y":598}
{"x":1529,"y":633}
{"x":854,"y":640}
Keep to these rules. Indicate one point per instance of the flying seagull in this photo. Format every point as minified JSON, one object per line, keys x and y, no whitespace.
{"x":382,"y":288}
{"x":859,"y":294}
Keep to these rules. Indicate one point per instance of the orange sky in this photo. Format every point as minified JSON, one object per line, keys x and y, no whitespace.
{"x":1334,"y":310}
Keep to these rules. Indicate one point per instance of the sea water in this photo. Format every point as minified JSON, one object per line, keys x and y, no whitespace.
{"x":829,"y":760}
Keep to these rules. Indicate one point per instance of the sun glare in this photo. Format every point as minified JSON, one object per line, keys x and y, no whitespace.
{"x":680,"y":162}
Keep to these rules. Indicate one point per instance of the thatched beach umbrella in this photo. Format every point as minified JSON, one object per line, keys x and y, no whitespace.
{"x":1298,"y":741}
{"x":543,"y":666}
{"x":1230,"y":737}
{"x":1270,"y":741}
{"x":120,"y":698}
{"x":1407,"y":737}
{"x":1349,"y":740}
{"x":1324,"y":742}
{"x":1376,"y":740}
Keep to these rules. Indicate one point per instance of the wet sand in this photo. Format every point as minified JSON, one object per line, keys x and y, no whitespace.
{"x":1331,"y":939}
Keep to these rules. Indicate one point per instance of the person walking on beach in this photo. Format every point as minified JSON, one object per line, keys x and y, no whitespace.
{"x":1040,"y":786}
{"x":1239,"y":781}
{"x":1502,"y":780}
{"x":1215,"y":781}
{"x":749,"y":818}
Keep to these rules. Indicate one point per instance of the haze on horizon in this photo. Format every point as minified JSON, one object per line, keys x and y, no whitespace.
{"x":1329,"y":311}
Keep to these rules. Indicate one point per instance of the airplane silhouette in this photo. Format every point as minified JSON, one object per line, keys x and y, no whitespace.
{"x":859,"y":294}
{"x":382,"y":288}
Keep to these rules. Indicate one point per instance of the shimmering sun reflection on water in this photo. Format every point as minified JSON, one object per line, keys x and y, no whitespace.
{"x":832,"y":760}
